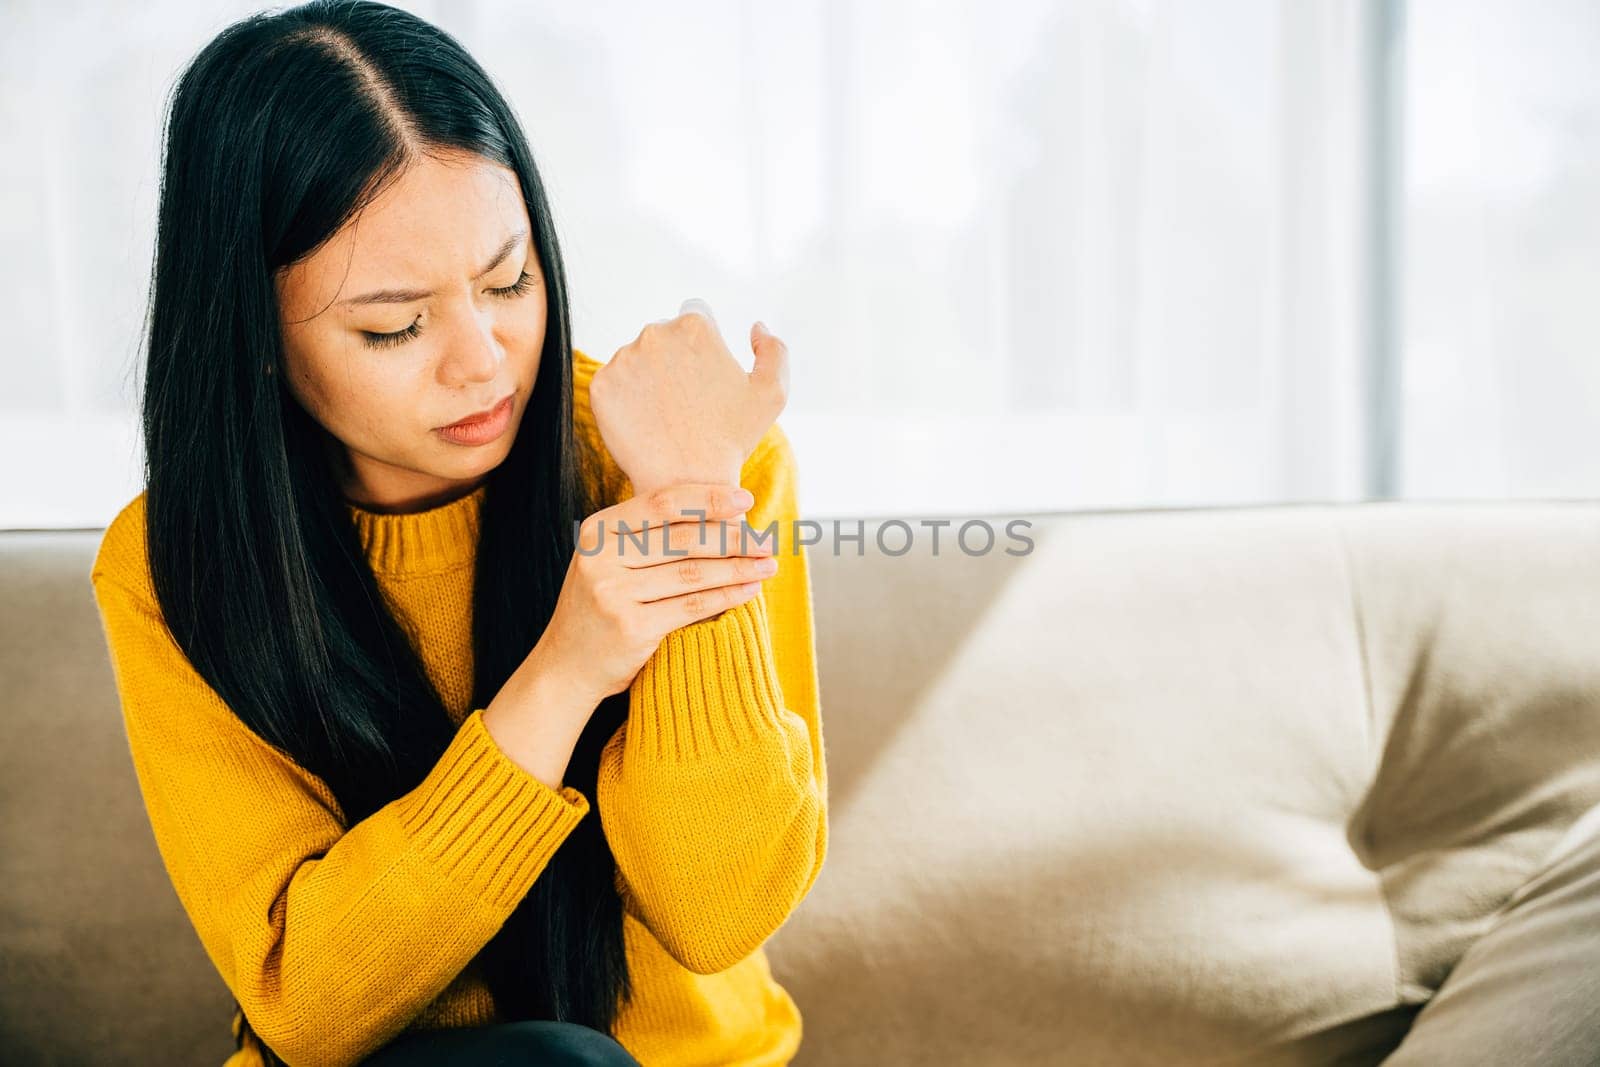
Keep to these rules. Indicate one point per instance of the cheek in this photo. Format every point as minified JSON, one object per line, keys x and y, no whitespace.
{"x":307,"y":387}
{"x":384,"y":402}
{"x":356,"y":398}
{"x":522,"y":330}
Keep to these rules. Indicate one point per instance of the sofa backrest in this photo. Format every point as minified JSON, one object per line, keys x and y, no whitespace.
{"x":1165,"y":785}
{"x":1175,"y":784}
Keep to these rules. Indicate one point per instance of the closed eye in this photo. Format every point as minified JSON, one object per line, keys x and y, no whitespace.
{"x":386,"y":340}
{"x":517,"y":288}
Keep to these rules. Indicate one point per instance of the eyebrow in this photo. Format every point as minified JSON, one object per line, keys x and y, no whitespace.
{"x":407,"y":296}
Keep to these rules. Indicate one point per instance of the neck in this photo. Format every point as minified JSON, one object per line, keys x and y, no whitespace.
{"x":401,"y":501}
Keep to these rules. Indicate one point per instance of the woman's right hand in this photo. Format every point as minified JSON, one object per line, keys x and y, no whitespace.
{"x":625,"y":591}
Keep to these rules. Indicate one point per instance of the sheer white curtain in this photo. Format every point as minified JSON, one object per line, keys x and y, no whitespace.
{"x":1031,"y":255}
{"x":1028,"y":256}
{"x":1502,"y":239}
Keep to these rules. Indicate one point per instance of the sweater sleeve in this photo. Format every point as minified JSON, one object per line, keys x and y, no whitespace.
{"x":713,"y":793}
{"x":332,"y":939}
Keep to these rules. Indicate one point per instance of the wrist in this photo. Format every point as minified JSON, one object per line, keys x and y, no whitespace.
{"x":536,"y":719}
{"x":558,"y":685}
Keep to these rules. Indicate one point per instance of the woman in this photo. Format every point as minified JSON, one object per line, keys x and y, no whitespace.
{"x":437,"y":772}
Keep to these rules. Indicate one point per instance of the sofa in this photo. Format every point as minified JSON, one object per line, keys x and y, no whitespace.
{"x":1294,"y":784}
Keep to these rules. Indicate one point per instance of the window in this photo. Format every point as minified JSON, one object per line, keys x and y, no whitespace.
{"x":1111,"y":253}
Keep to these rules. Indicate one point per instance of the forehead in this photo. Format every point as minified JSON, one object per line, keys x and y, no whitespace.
{"x":439,"y":222}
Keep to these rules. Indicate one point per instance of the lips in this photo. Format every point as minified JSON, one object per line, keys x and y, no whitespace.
{"x":481,"y":417}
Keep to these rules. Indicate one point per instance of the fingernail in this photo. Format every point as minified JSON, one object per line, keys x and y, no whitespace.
{"x":761,"y":327}
{"x":767,"y":566}
{"x":743,"y":498}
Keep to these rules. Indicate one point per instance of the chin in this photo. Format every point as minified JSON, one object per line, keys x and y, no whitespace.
{"x":468,"y":462}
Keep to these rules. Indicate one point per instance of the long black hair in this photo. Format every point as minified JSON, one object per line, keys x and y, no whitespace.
{"x":279,"y":131}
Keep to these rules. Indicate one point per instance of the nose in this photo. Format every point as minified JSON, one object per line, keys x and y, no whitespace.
{"x":475,"y":355}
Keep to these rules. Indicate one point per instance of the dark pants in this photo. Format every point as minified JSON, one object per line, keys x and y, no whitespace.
{"x":530,"y":1043}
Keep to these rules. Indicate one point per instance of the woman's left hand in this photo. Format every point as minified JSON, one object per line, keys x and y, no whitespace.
{"x":674,"y":406}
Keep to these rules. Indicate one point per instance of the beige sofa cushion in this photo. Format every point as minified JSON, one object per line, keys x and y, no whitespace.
{"x":1528,"y":990}
{"x":1191,"y":787}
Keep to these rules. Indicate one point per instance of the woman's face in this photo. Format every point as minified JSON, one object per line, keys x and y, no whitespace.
{"x":461,"y":338}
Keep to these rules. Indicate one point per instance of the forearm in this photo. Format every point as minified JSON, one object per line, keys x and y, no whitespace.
{"x":538,"y":716}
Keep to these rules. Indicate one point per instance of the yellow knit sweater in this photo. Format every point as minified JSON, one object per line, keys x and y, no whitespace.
{"x":334,"y":939}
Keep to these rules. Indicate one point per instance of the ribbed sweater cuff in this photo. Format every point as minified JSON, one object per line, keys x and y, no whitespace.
{"x":484,"y":821}
{"x":710,"y":688}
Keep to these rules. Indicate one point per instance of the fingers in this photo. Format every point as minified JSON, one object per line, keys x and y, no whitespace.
{"x":677,"y":578}
{"x":696,"y":306}
{"x":691,"y":519}
{"x":689,"y":539}
{"x":669,"y":614}
{"x":692,"y":306}
{"x":690,"y":501}
{"x":637,"y":548}
{"x":772,"y":360}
